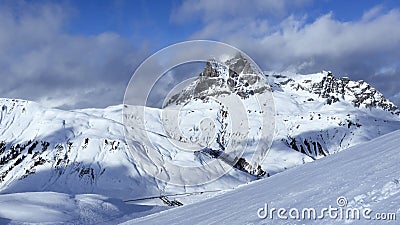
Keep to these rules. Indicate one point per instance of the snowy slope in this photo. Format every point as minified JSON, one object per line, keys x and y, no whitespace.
{"x":79,"y":152}
{"x":367,"y":175}
{"x":56,"y":208}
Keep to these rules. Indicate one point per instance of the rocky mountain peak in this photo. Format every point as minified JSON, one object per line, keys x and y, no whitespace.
{"x":360,"y":93}
{"x":335,"y":89}
{"x":241,"y":65}
{"x":209,"y":70}
{"x":234,"y":76}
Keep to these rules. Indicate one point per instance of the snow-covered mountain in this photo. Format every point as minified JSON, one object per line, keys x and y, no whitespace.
{"x":85,"y":151}
{"x":319,"y":114}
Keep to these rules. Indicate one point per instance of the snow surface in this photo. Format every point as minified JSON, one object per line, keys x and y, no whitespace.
{"x":367,"y":175}
{"x":53,"y":207}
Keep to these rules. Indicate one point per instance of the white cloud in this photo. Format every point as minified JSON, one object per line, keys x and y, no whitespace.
{"x":373,"y":13}
{"x":40,"y":61}
{"x":211,"y":10}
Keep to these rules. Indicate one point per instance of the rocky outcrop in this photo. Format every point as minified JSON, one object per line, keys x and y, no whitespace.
{"x":360,"y":93}
{"x":235,"y":76}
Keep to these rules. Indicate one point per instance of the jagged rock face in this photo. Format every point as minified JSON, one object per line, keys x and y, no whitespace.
{"x":235,"y":76}
{"x":360,"y":93}
{"x":209,"y":71}
{"x":320,"y":114}
{"x":240,"y":64}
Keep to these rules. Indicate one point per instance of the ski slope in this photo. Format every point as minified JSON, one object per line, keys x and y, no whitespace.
{"x":367,"y":175}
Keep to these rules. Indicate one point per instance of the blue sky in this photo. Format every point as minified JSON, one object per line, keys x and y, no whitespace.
{"x":68,"y":53}
{"x":150,"y":20}
{"x":141,"y":21}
